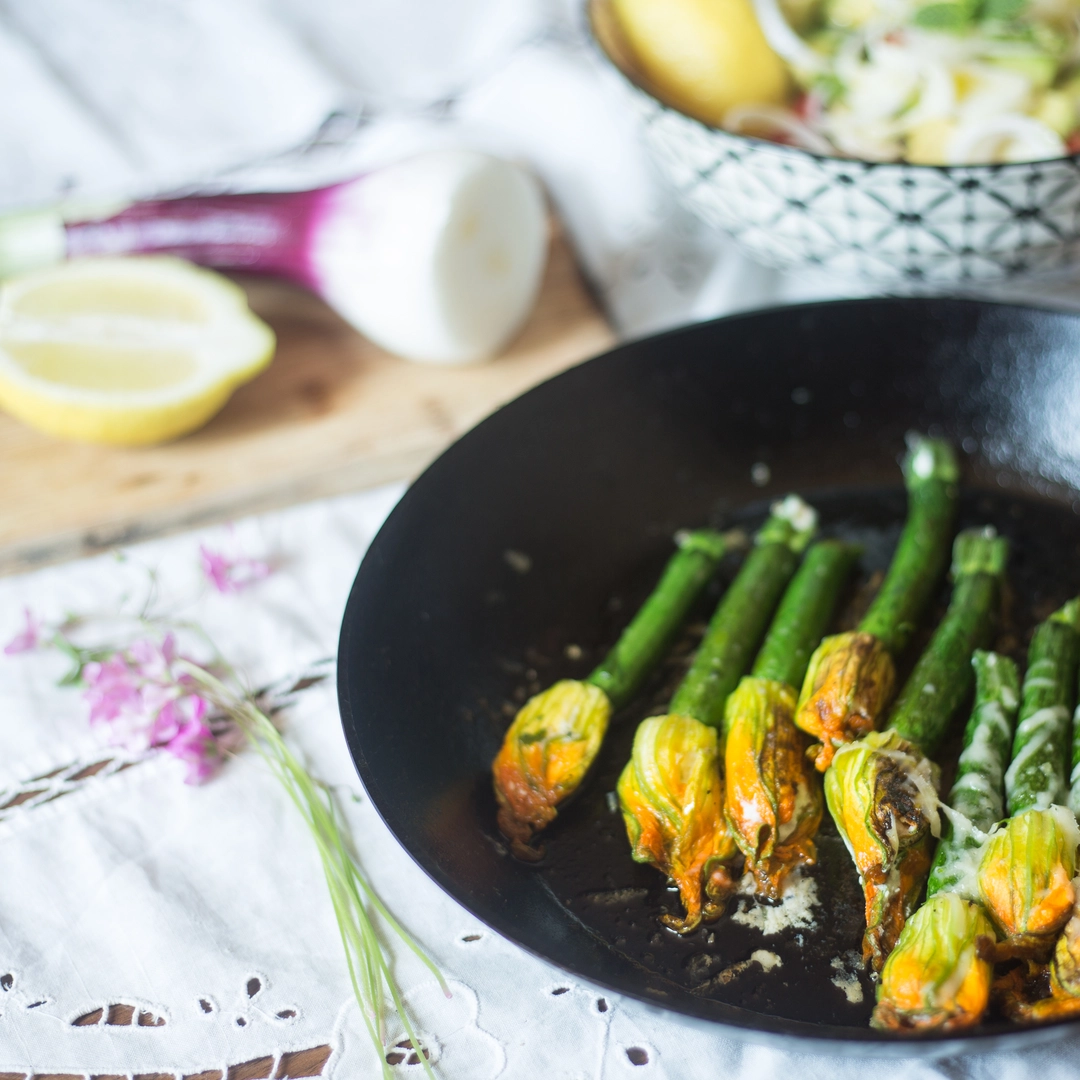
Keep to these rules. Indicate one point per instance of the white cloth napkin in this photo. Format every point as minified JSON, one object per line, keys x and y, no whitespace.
{"x":203,"y":907}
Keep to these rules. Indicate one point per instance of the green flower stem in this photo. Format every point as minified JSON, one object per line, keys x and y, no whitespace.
{"x":978,"y":791}
{"x":350,"y":892}
{"x":739,"y":622}
{"x":1036,"y":777}
{"x":943,"y":675}
{"x":931,"y":475}
{"x":1074,"y":776}
{"x":647,"y":637}
{"x":804,"y":612}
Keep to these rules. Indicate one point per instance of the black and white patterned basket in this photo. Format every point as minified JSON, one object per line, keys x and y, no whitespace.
{"x":889,"y":222}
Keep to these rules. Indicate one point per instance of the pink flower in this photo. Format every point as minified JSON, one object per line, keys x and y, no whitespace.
{"x":141,"y":701}
{"x":27,"y":639}
{"x":232,"y":575}
{"x":194,"y":744}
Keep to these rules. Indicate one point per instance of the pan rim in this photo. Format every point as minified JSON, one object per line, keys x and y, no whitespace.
{"x":735,"y":1022}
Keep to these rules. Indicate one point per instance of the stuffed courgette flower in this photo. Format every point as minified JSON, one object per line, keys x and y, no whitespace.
{"x":1025,"y":880}
{"x":772,"y":797}
{"x":554,"y":739}
{"x":882,"y":790}
{"x":671,"y":795}
{"x":935,"y":979}
{"x":938,"y":977}
{"x":1025,"y":877}
{"x":671,"y":791}
{"x":851,"y":676}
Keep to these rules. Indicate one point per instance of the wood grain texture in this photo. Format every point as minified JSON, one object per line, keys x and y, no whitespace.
{"x":332,"y":414}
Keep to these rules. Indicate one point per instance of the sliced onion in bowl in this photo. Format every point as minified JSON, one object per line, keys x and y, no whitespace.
{"x":765,"y":121}
{"x":1003,"y":139}
{"x":783,"y":39}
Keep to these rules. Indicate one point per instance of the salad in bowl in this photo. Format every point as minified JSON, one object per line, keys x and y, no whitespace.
{"x":933,"y":82}
{"x":927,"y":141}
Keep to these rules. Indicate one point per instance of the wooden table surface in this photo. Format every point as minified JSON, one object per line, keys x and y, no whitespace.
{"x":332,"y":414}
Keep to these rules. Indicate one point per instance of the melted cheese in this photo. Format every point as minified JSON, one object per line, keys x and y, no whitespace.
{"x":795,"y":910}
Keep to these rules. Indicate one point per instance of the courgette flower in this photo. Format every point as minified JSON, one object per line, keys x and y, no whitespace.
{"x":1022,"y":993}
{"x":672,"y":802}
{"x":882,"y":794}
{"x":544,"y":756}
{"x":772,"y":799}
{"x":1025,"y":880}
{"x":935,"y":978}
{"x":1065,"y":964}
{"x":849,"y":682}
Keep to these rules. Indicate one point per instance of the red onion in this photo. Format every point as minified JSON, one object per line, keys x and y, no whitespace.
{"x":436,"y":258}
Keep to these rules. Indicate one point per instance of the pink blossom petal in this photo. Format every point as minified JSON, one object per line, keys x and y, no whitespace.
{"x":216,"y":569}
{"x":140,"y":702}
{"x":168,"y":649}
{"x":28,"y":638}
{"x":232,"y":575}
{"x":110,"y":689}
{"x":151,"y":660}
{"x":194,"y":745}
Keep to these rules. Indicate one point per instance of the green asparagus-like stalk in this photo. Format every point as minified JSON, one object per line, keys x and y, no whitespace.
{"x":937,"y":978}
{"x":978,"y":791}
{"x":740,"y":620}
{"x":943,"y":675}
{"x":852,"y":675}
{"x":931,"y":473}
{"x":1036,"y":776}
{"x":882,"y":791}
{"x":804,"y":612}
{"x":1074,"y":776}
{"x":772,"y":799}
{"x":554,"y":739}
{"x":1026,"y":870}
{"x":671,"y":791}
{"x":1064,"y":967}
{"x":649,"y":634}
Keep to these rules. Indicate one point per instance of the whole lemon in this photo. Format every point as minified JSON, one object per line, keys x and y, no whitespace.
{"x":703,"y":56}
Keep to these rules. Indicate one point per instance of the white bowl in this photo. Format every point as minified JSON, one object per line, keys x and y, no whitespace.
{"x":892,"y":222}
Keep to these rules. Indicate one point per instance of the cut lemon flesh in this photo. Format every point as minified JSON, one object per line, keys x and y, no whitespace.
{"x":130,"y":350}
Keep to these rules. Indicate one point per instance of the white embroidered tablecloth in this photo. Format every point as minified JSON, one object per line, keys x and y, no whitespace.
{"x":149,"y":928}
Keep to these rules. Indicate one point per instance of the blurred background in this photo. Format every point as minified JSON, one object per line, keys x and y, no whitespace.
{"x":109,"y":103}
{"x":120,"y":99}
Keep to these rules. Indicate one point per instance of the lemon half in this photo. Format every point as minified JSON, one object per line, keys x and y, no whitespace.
{"x":704,"y":56}
{"x":129,"y":350}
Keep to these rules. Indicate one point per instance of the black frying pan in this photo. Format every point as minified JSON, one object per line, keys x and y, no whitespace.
{"x":546,"y":525}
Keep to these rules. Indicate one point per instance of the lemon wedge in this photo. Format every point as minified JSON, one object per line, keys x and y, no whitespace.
{"x":129,"y":350}
{"x":704,"y":56}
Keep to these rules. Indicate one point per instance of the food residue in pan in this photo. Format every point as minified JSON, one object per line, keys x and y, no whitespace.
{"x":794,"y":911}
{"x":847,"y":978}
{"x":767,"y":960}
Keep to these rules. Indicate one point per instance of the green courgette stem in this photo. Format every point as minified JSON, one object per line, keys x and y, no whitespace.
{"x":1074,"y":776}
{"x":649,"y":633}
{"x":978,"y":792}
{"x":931,"y":474}
{"x":943,"y":675}
{"x":737,"y":626}
{"x":1036,"y":777}
{"x":804,"y":612}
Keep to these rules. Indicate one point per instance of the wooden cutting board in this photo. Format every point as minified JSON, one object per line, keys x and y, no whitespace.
{"x":332,"y":414}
